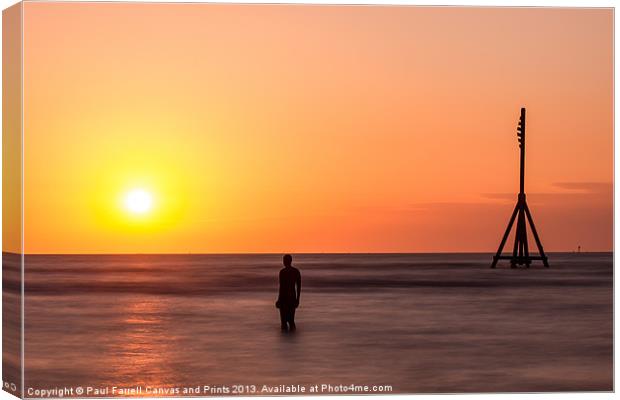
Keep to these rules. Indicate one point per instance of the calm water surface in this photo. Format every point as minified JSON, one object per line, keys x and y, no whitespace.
{"x":421,"y":323}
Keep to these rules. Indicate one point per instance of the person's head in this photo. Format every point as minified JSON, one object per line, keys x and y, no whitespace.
{"x":287,"y":260}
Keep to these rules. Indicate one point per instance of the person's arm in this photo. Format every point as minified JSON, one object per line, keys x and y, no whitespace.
{"x":279,"y":289}
{"x":298,"y":283}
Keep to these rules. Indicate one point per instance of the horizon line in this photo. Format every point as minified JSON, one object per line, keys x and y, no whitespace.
{"x":292,"y":253}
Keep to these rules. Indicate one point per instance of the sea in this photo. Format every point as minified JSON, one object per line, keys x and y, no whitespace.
{"x":174,"y":325}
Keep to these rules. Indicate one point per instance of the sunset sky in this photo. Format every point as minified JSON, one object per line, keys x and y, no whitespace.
{"x":298,"y":128}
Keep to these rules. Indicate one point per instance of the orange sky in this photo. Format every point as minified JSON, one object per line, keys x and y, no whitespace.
{"x":273,"y":128}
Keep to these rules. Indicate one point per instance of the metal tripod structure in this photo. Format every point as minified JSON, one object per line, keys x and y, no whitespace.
{"x":520,"y":252}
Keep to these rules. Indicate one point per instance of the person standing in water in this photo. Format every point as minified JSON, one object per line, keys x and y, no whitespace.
{"x":290,"y":291}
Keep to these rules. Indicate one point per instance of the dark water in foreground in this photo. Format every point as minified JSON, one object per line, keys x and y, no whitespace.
{"x":420,"y":323}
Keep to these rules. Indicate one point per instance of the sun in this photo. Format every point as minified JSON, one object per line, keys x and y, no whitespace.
{"x":138,"y":201}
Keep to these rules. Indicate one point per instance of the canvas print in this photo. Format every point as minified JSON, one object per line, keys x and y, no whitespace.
{"x":286,"y":199}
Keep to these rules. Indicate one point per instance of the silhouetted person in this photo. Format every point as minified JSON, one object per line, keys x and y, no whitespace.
{"x":288,"y":296}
